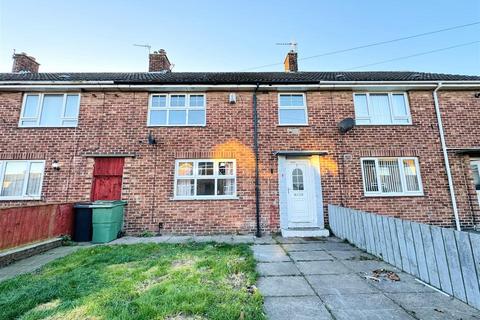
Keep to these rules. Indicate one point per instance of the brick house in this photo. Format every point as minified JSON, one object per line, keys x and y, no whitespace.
{"x":243,"y":151}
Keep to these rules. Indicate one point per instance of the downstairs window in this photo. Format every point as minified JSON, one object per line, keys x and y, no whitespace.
{"x":21,"y":180}
{"x":205,"y":179}
{"x":391,"y":177}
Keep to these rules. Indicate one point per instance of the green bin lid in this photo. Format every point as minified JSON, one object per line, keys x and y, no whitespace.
{"x":108,"y":203}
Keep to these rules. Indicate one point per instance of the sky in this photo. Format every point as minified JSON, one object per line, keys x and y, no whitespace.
{"x":208,"y":35}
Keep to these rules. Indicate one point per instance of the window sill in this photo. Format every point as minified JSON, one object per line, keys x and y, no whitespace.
{"x":176,"y":125}
{"x":62,"y":127}
{"x":20,"y":198}
{"x":204,"y":198}
{"x":397,"y":195}
{"x":293,"y":125}
{"x":385,"y":125}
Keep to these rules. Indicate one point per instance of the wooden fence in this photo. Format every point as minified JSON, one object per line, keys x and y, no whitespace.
{"x":444,"y":258}
{"x":22,"y":225}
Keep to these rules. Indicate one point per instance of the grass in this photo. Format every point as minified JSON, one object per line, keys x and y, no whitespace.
{"x":144,"y":281}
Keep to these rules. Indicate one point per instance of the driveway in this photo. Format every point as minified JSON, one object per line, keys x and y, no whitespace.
{"x":328,"y":279}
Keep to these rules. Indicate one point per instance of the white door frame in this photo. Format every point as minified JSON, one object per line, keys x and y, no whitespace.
{"x":315,"y":194}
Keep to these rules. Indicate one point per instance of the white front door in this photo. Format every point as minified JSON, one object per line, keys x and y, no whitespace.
{"x":476,"y":177}
{"x":300,"y":194}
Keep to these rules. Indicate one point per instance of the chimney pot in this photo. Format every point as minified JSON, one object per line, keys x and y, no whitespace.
{"x":291,"y":62}
{"x":158,"y":62}
{"x":24,"y":63}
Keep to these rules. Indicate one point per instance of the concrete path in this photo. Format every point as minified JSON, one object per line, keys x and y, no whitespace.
{"x":34,"y":263}
{"x":305,"y":279}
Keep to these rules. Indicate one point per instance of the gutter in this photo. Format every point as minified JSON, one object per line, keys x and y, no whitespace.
{"x":64,"y":85}
{"x":445,"y":157}
{"x":255,"y":150}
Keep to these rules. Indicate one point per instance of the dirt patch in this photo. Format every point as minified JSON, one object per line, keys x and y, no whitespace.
{"x":47,"y":305}
{"x":184,"y":263}
{"x":148,"y":283}
{"x":237,"y":280}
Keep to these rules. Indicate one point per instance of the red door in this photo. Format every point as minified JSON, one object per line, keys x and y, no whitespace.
{"x":107,"y":179}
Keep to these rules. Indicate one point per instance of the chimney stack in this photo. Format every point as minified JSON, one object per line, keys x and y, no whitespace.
{"x":24,"y":63}
{"x":158,"y":62}
{"x":290,"y":63}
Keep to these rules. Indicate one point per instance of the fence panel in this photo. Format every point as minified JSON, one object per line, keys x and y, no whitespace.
{"x":22,"y":225}
{"x":446,"y":259}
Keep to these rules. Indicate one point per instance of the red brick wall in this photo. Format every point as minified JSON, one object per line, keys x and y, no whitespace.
{"x":461,"y":120}
{"x":116,"y":122}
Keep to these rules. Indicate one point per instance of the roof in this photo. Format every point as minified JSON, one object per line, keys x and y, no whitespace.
{"x":235,"y":77}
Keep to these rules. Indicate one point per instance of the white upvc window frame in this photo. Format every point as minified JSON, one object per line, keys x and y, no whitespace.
{"x":196,"y":177}
{"x":304,"y":108}
{"x":393,"y":117}
{"x":187,"y":108}
{"x":37,"y":118}
{"x":24,"y":196}
{"x":403,"y":181}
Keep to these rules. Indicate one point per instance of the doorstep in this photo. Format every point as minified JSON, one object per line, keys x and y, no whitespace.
{"x":305,"y":232}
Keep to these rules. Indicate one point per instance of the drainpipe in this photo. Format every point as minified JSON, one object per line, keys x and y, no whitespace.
{"x":255,"y":150}
{"x":445,"y":157}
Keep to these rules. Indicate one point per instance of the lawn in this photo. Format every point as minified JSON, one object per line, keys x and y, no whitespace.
{"x":144,"y":281}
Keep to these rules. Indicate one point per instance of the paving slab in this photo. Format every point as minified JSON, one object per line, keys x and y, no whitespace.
{"x":351,"y":255}
{"x":269,"y":253}
{"x":284,"y":286}
{"x":434,"y":305}
{"x":298,"y":308}
{"x":363,"y":301}
{"x":322,"y":267}
{"x":367,"y":266}
{"x":265,"y":239}
{"x":310,"y":255}
{"x":352,"y":314}
{"x":407,"y":284}
{"x":443,"y":314}
{"x":277,"y":269}
{"x":318,"y":246}
{"x":339,"y":284}
{"x":300,"y":240}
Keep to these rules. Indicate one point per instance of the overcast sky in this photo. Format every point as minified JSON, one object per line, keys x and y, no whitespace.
{"x":93,"y":35}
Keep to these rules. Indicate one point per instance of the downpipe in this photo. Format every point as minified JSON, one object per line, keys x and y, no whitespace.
{"x":258,"y":232}
{"x":445,"y":157}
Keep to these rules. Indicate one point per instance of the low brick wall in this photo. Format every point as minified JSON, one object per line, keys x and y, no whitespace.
{"x":23,"y":225}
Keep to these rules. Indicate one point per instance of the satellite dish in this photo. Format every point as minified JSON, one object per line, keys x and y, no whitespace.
{"x":346,"y":125}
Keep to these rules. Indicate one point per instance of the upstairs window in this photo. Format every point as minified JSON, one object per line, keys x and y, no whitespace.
{"x":21,"y":180}
{"x":205,"y":179}
{"x":50,"y":110}
{"x":176,"y":110}
{"x":292,"y":109}
{"x":381,"y":109}
{"x":391,"y":176}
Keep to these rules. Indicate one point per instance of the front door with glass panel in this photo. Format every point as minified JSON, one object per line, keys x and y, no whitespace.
{"x":476,"y":177}
{"x":300,"y":194}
